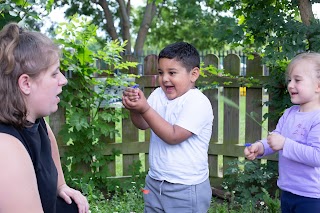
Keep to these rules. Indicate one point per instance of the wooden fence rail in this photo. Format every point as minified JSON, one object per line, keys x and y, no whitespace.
{"x":231,"y":126}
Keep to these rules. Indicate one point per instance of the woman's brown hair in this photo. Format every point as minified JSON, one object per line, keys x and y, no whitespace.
{"x":21,"y":52}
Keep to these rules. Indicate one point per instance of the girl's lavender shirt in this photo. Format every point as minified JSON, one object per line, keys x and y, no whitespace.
{"x":299,"y":160}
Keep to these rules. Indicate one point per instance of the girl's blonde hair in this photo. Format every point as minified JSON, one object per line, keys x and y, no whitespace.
{"x":313,"y":57}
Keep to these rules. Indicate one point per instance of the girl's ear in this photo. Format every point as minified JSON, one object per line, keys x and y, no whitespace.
{"x":24,"y":84}
{"x":195,"y":72}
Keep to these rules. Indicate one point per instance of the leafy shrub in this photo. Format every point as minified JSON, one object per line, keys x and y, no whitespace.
{"x":248,"y":181}
{"x":90,"y":116}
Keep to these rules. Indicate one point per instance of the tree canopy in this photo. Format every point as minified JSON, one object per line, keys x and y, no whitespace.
{"x":274,"y":29}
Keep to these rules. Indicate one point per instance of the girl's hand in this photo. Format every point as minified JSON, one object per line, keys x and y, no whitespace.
{"x":252,"y":151}
{"x":276,"y":141}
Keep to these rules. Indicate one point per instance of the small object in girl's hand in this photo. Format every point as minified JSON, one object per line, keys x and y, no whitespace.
{"x":247,"y":144}
{"x":135,"y":86}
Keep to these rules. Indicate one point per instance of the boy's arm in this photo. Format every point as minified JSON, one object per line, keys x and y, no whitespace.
{"x":138,"y":120}
{"x":171,"y":134}
{"x":144,"y":116}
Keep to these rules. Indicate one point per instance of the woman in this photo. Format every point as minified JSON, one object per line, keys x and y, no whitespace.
{"x":31,"y":177}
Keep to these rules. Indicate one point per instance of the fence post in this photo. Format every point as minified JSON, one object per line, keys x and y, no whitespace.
{"x":231,"y":64}
{"x":130,"y":133}
{"x":150,"y":82}
{"x":254,"y":101}
{"x":56,"y":121}
{"x":212,"y":95}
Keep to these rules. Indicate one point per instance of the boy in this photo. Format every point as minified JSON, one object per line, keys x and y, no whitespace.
{"x":180,"y":118}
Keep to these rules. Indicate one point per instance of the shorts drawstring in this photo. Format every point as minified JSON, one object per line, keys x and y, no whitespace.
{"x":161,"y":185}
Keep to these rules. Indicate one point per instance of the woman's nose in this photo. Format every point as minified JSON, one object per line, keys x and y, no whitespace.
{"x":63,"y":80}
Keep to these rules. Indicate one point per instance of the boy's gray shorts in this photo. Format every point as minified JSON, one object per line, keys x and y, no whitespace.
{"x":162,"y":196}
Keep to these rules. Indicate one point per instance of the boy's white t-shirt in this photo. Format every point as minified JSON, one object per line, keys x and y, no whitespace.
{"x":186,"y":162}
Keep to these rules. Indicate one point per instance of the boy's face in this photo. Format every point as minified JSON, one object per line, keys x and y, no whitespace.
{"x":174,"y":79}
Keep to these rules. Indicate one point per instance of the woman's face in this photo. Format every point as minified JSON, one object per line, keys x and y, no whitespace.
{"x":43,"y":99}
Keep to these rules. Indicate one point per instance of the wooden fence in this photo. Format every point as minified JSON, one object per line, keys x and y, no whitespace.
{"x":231,"y":126}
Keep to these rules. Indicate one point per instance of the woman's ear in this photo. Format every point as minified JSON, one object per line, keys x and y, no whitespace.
{"x":195,"y":72}
{"x":24,"y":84}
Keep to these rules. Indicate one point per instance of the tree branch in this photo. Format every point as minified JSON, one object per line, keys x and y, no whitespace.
{"x":125,"y":22}
{"x":149,"y":14}
{"x":110,"y":23}
{"x":305,"y":8}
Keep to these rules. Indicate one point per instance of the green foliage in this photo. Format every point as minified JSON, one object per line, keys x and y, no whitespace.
{"x":276,"y":20}
{"x":27,"y":12}
{"x":274,"y":30}
{"x":120,"y":200}
{"x":129,"y":201}
{"x":186,"y":20}
{"x":90,"y":116}
{"x":272,"y":204}
{"x":249,"y":180}
{"x":14,"y":11}
{"x":277,"y":87}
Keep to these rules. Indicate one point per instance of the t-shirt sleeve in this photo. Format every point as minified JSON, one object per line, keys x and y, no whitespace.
{"x":196,"y":114}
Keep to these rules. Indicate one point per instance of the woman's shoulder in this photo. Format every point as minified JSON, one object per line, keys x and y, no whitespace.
{"x":11,"y":145}
{"x":10,"y":130}
{"x":17,"y":166}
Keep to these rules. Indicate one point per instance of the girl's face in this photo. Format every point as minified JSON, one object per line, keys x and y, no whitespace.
{"x":174,"y":79}
{"x":42,"y":98}
{"x":304,"y":86}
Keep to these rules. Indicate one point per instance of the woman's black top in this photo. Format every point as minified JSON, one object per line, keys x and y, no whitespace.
{"x":36,"y":141}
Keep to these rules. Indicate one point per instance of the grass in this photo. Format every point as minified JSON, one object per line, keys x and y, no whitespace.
{"x":132,"y":202}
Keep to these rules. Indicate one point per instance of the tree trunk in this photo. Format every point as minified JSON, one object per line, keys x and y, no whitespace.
{"x":307,"y":17}
{"x":125,"y":23}
{"x":110,"y":23}
{"x":305,"y":8}
{"x":149,"y":14}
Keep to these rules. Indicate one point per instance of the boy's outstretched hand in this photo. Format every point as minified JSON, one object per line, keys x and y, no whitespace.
{"x":134,"y":99}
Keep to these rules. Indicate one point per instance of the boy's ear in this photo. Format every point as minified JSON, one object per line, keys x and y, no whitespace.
{"x":195,"y":72}
{"x":24,"y":84}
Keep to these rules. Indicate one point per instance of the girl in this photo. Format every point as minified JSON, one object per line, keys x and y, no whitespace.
{"x":297,"y":138}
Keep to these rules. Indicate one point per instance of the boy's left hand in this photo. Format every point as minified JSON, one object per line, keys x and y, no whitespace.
{"x":134,"y":99}
{"x":276,"y":141}
{"x":132,"y":94}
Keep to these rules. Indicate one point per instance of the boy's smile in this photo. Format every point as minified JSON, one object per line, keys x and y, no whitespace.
{"x":174,"y":79}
